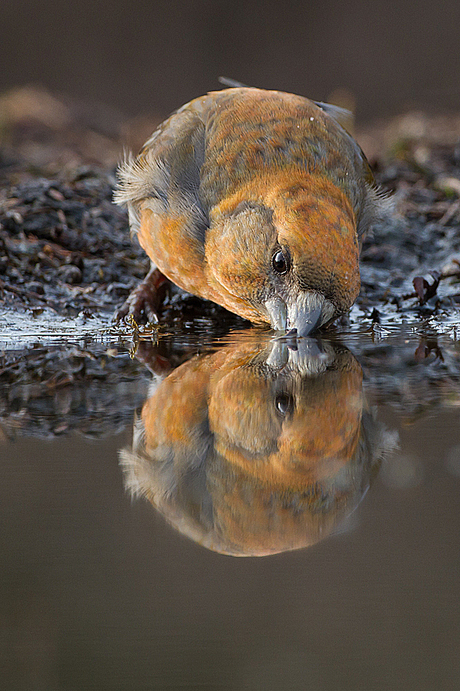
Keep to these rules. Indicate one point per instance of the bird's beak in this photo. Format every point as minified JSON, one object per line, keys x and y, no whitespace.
{"x":304,"y":314}
{"x":277,"y":312}
{"x":299,"y":317}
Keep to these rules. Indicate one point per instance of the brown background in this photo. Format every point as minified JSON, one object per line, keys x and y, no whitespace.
{"x":151,"y":56}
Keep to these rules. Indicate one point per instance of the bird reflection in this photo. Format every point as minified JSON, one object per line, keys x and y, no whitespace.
{"x":259,"y":447}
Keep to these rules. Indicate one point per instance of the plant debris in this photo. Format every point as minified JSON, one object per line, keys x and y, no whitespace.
{"x":424,"y":288}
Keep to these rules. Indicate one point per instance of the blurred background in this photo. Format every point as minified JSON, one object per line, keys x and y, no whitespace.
{"x":150,"y":56}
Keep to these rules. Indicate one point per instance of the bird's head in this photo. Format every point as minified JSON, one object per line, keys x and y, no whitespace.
{"x":287,"y":255}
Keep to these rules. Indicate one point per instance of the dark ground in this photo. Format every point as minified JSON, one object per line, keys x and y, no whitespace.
{"x":66,"y":249}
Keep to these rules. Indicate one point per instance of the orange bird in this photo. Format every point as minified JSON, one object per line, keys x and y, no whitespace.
{"x":253,"y":199}
{"x":258,"y":447}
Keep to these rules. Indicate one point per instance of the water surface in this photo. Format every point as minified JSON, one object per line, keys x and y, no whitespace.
{"x":136,"y":477}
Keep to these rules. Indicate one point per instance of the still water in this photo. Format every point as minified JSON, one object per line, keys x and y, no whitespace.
{"x":242,"y":513}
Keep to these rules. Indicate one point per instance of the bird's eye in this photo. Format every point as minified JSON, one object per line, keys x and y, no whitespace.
{"x":284,"y":404}
{"x":280,"y":262}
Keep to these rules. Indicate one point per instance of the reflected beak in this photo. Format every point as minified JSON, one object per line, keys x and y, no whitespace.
{"x":308,"y":356}
{"x":300,"y":317}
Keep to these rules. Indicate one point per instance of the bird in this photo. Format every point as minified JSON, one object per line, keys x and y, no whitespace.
{"x":255,"y":199}
{"x":257,"y":447}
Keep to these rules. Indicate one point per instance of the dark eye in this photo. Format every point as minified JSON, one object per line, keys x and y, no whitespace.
{"x":284,"y":404}
{"x":280,"y":262}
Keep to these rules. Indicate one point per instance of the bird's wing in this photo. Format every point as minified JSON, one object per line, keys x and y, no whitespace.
{"x":232,"y":83}
{"x":342,"y":116}
{"x":167,"y":171}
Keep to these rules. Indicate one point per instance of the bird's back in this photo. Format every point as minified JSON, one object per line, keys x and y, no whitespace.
{"x":221,"y":141}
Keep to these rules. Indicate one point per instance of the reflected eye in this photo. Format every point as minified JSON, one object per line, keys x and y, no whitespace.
{"x":280,"y":262}
{"x":284,"y":404}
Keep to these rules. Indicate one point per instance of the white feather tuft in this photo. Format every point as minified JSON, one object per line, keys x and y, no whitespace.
{"x":378,"y":204}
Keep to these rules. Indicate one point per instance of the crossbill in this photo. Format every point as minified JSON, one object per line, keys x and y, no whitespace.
{"x":253,"y":199}
{"x":258,"y":447}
